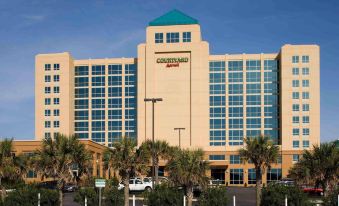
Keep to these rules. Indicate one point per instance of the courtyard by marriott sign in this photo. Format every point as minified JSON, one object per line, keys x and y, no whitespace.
{"x":172,"y":62}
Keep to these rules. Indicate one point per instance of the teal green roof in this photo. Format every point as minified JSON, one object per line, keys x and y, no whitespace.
{"x":173,"y":17}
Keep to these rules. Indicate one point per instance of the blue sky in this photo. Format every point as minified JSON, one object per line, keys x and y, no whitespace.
{"x":98,"y":29}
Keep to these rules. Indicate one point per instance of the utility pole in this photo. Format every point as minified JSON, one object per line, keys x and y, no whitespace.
{"x":153,"y":100}
{"x":179,"y":128}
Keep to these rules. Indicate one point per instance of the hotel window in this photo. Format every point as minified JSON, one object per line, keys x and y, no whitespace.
{"x":47,"y":78}
{"x":270,"y":99}
{"x":98,"y":81}
{"x":115,"y":125}
{"x":56,"y":101}
{"x":306,"y":95}
{"x":295,"y":158}
{"x":56,"y":90}
{"x":253,"y":99}
{"x":98,"y":126}
{"x":47,"y":112}
{"x":56,"y":124}
{"x":254,"y":123}
{"x":81,"y":92}
{"x":236,"y":176}
{"x":47,"y":90}
{"x":253,"y":76}
{"x":82,"y":135}
{"x":306,"y":143}
{"x":81,"y":70}
{"x":172,"y":37}
{"x":253,"y":65}
{"x":295,"y":83}
{"x":81,"y":104}
{"x":47,"y":135}
{"x":305,"y":59}
{"x":306,"y":83}
{"x":306,"y":71}
{"x":295,"y":119}
{"x":270,"y":123}
{"x":295,"y":59}
{"x":56,"y":66}
{"x":114,"y":80}
{"x":295,"y":131}
{"x":99,"y":92}
{"x":115,"y":103}
{"x":56,"y":112}
{"x":159,"y":37}
{"x":56,"y":78}
{"x":47,"y":67}
{"x":232,"y":112}
{"x":115,"y":69}
{"x":47,"y":124}
{"x":235,"y":123}
{"x":295,"y":95}
{"x":273,"y":175}
{"x":270,"y":76}
{"x":217,"y":123}
{"x":235,"y":100}
{"x":81,"y":126}
{"x":235,"y":159}
{"x":47,"y":101}
{"x":31,"y":174}
{"x":186,"y":37}
{"x":114,"y":114}
{"x":306,"y":107}
{"x":98,"y":114}
{"x":217,"y":157}
{"x":235,"y":66}
{"x":98,"y":70}
{"x":114,"y":91}
{"x":235,"y":88}
{"x":252,"y":176}
{"x":295,"y":71}
{"x":295,"y":107}
{"x":98,"y":137}
{"x":295,"y":143}
{"x":306,"y":131}
{"x":81,"y":81}
{"x":98,"y":103}
{"x":253,"y":88}
{"x":306,"y":119}
{"x":113,"y":137}
{"x":235,"y":137}
{"x":235,"y":77}
{"x":81,"y":115}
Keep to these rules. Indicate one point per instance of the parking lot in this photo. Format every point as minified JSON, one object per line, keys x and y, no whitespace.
{"x":244,"y":197}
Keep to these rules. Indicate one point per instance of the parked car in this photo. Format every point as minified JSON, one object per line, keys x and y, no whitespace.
{"x":286,"y":182}
{"x":136,"y":184}
{"x":161,"y":179}
{"x":70,"y":187}
{"x":52,"y":185}
{"x":313,"y":190}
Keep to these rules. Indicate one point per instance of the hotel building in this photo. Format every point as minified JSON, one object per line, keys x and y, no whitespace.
{"x":218,"y":99}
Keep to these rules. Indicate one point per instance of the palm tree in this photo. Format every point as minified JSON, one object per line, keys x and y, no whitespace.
{"x":187,"y":168}
{"x":160,"y":149}
{"x":57,"y":159}
{"x":323,"y":163}
{"x":262,"y":152}
{"x":129,"y":160}
{"x":12,"y":167}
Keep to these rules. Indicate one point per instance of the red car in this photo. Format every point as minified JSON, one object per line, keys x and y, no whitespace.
{"x":313,"y":190}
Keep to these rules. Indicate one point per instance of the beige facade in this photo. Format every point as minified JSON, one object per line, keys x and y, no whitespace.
{"x":175,"y":64}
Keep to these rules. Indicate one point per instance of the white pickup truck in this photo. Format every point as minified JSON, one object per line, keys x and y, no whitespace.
{"x":137,"y":184}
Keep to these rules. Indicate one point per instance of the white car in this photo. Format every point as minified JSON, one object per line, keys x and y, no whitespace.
{"x":137,"y":184}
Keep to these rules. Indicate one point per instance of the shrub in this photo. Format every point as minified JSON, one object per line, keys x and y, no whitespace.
{"x":28,"y":196}
{"x":88,"y":192}
{"x":213,"y":197}
{"x":113,"y":196}
{"x":164,"y":196}
{"x":274,"y":194}
{"x":332,"y":199}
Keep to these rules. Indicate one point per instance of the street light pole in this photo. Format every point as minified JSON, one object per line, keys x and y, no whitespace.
{"x":179,"y":128}
{"x":153,"y":100}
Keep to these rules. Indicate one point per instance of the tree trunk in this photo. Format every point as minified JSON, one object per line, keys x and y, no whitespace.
{"x":258,"y":176}
{"x":3,"y":191}
{"x":60,"y":197}
{"x":156,"y":165}
{"x":189,"y":193}
{"x":126,"y":191}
